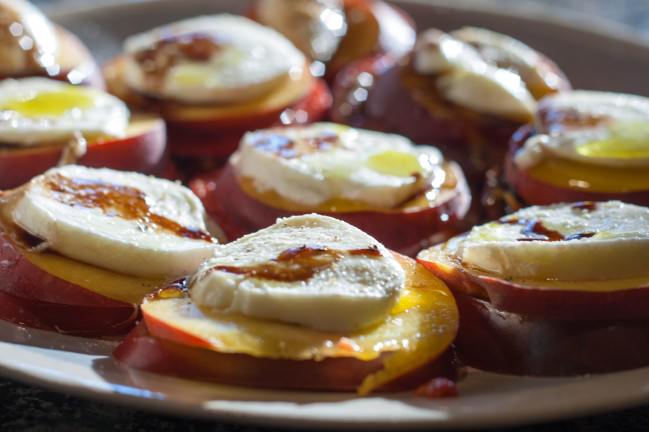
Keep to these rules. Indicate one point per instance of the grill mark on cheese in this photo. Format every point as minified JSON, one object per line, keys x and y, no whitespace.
{"x":562,"y":119}
{"x":157,"y":60}
{"x":298,"y":263}
{"x":535,"y":230}
{"x":116,"y":200}
{"x":284,"y":147}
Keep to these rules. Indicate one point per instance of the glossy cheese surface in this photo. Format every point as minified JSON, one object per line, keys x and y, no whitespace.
{"x":311,"y":270}
{"x":316,"y":164}
{"x":124,"y":222}
{"x":41,"y":111}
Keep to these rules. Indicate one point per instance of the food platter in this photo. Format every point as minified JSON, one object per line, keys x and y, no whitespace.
{"x":84,"y":367}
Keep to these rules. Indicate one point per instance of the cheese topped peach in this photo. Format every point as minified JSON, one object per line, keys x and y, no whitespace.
{"x":210,"y":59}
{"x":314,"y":164}
{"x":595,"y":128}
{"x":469,"y":78}
{"x":566,"y":242}
{"x":312,"y":270}
{"x":125,"y":222}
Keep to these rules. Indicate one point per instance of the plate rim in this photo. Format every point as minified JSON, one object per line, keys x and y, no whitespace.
{"x":156,"y":402}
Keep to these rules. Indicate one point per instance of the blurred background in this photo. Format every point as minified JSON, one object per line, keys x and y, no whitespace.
{"x":630,"y":13}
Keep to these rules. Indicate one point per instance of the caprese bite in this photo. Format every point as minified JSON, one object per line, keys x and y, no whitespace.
{"x":406,"y":196}
{"x":466,"y":91}
{"x":214,"y":77}
{"x":310,"y":303}
{"x":556,"y":290}
{"x":583,"y":145}
{"x":44,"y":122}
{"x":334,"y":33}
{"x":80,"y":247}
{"x":31,"y":45}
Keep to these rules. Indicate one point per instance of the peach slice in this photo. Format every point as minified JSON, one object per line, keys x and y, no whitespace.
{"x":178,"y":338}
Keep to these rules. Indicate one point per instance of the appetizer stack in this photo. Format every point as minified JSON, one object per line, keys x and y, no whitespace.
{"x":288,"y":259}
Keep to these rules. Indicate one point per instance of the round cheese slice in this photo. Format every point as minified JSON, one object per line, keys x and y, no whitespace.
{"x":36,"y":111}
{"x":125,"y":222}
{"x":314,"y":164}
{"x":565,"y":242}
{"x":467,"y":79}
{"x":210,"y":59}
{"x":596,"y":128}
{"x":311,"y":270}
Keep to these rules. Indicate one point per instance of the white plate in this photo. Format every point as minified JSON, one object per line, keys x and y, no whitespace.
{"x":593,"y":58}
{"x":83,"y":367}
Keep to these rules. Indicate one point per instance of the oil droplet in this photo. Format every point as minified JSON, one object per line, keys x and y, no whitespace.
{"x":395,"y":163}
{"x":626,"y":140}
{"x":51,"y":103}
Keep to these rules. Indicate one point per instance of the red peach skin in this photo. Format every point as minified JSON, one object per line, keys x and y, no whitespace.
{"x":86,"y":321}
{"x":140,"y":350}
{"x":33,"y":297}
{"x":545,"y":304}
{"x":498,"y":341}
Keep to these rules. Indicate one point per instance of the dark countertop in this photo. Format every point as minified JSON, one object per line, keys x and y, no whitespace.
{"x":27,"y":408}
{"x":30,"y":408}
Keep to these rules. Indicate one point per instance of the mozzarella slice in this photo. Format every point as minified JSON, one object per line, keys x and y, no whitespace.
{"x":438,"y":52}
{"x":125,"y":222}
{"x":468,"y":80}
{"x":30,"y":43}
{"x":311,"y":270}
{"x":503,"y":50}
{"x":489,"y":90}
{"x":313,"y":164}
{"x":35,"y":111}
{"x":315,"y":26}
{"x":210,"y":59}
{"x":582,"y":241}
{"x":598,"y":128}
